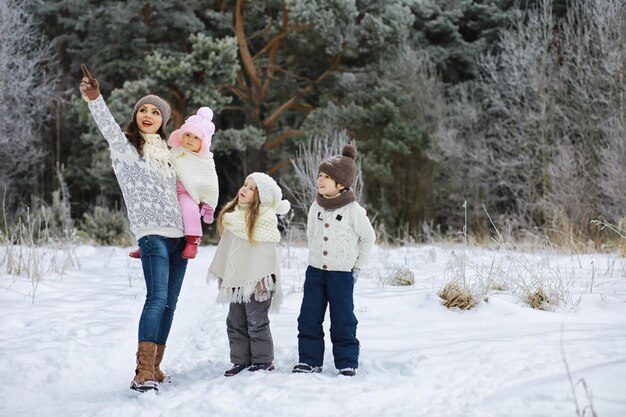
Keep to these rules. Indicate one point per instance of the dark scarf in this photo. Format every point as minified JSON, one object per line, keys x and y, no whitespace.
{"x":341,"y":200}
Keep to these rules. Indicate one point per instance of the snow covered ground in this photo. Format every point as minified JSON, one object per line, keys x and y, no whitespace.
{"x":71,"y":352}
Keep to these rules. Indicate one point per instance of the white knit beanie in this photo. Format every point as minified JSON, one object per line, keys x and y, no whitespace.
{"x":270,"y":193}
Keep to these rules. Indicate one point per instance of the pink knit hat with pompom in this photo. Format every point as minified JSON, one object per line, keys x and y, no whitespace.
{"x":199,"y":124}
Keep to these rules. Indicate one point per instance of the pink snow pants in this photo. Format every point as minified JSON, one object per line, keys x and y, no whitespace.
{"x":190,"y":211}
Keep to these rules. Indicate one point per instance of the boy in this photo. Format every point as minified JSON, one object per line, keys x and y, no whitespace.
{"x":340,"y":238}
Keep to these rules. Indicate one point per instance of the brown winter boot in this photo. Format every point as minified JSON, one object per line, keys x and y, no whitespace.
{"x":144,"y":374}
{"x":159,"y":375}
{"x":191,"y":247}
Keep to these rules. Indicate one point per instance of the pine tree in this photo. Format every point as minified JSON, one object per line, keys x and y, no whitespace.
{"x":27,"y":90}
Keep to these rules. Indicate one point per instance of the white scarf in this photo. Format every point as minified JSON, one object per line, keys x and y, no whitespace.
{"x":265,"y":229}
{"x":247,"y":269}
{"x":157,"y":155}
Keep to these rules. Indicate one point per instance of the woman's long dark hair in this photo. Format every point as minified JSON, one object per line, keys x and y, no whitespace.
{"x":134,"y":135}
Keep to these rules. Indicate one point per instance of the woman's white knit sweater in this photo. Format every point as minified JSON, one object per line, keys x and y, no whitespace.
{"x":149,"y":195}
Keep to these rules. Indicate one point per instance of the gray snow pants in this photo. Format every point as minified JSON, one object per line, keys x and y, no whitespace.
{"x":249,"y":335}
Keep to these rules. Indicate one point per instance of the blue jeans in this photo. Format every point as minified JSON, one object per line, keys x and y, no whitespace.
{"x":333,"y":288}
{"x":164,"y":270}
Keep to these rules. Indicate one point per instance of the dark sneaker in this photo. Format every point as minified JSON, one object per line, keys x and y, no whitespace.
{"x":236,"y":369}
{"x":347,"y":372}
{"x":304,"y":368}
{"x":266,"y":366}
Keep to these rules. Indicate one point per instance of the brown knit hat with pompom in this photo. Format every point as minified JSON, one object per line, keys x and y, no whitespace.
{"x":341,"y":168}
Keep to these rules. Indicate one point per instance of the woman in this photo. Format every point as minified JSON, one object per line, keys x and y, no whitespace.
{"x":141,"y":162}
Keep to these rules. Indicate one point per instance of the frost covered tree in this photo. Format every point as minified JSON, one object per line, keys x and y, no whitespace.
{"x":27,"y":89}
{"x":594,"y":116}
{"x":538,"y":140}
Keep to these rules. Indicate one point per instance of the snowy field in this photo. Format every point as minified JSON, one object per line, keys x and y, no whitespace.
{"x":70,"y":353}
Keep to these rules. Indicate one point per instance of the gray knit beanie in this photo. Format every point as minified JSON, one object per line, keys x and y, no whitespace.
{"x":341,"y":168}
{"x":157,"y":102}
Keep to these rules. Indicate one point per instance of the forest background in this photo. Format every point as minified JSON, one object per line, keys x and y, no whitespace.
{"x":466,"y":114}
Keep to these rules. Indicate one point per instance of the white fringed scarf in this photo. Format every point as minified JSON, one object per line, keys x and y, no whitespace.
{"x":265,"y":229}
{"x":157,"y":155}
{"x":244,"y":269}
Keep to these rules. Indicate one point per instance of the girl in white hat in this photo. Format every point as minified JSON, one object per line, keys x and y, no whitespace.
{"x":247,"y":268}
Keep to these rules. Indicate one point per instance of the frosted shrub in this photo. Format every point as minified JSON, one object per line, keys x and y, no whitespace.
{"x":545,"y":293}
{"x":29,"y":249}
{"x":106,"y":227}
{"x":402,"y":277}
{"x":306,"y":163}
{"x":461,"y":291}
{"x":58,"y":220}
{"x":396,"y":275}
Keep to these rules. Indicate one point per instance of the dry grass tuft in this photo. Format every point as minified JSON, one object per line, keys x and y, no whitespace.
{"x":454,"y":296}
{"x":403,"y":277}
{"x":539,"y":300}
{"x":396,"y":275}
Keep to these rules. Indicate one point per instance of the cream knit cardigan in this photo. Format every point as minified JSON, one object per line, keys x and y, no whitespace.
{"x":339,"y":239}
{"x":246,"y":269}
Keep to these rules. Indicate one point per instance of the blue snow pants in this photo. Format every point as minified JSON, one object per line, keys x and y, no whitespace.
{"x":333,"y":288}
